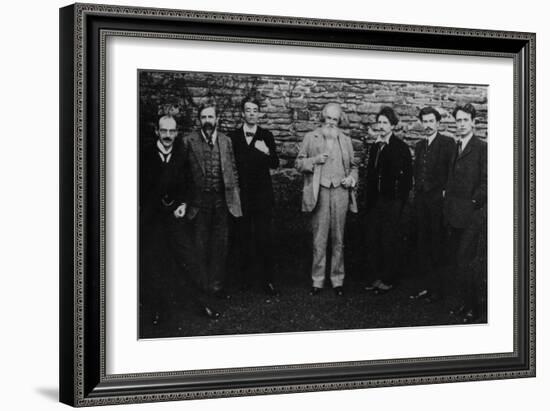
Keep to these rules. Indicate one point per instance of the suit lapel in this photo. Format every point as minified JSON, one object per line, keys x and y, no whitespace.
{"x":423,"y":148}
{"x":468,"y":148}
{"x":242,"y":137}
{"x":222,"y":145}
{"x":389,"y":147}
{"x":436,"y":145}
{"x":198,"y":152}
{"x":344,"y":152}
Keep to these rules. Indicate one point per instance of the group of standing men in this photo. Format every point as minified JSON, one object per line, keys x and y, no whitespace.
{"x":208,"y":179}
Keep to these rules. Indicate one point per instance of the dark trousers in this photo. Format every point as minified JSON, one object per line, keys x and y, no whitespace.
{"x":164,"y":275}
{"x":209,"y":235}
{"x":430,"y":237}
{"x":254,"y":247}
{"x":468,"y":265}
{"x":385,"y":238}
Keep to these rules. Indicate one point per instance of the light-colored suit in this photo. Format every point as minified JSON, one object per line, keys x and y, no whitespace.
{"x":328,"y":202}
{"x":313,"y":145}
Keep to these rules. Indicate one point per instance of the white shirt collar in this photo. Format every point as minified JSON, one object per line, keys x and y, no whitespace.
{"x":250,"y":129}
{"x":214,"y":136}
{"x":432,"y":138}
{"x":163,"y":149}
{"x":164,"y":153}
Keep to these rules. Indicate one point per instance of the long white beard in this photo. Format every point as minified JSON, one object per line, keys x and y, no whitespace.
{"x":330,"y":132}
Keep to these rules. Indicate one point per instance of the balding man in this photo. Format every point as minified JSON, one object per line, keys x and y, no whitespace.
{"x":164,"y":276}
{"x":327,"y":161}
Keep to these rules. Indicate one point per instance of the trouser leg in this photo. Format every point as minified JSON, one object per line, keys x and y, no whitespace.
{"x":391,"y":243}
{"x":201,"y":231}
{"x":320,"y":227}
{"x":465,"y":256}
{"x":423,"y":233}
{"x":181,"y":238}
{"x":339,"y":201}
{"x":262,"y":239}
{"x":436,"y":234}
{"x":153,"y":267}
{"x":244,"y":247}
{"x":217,"y":248}
{"x":374,"y":232}
{"x":430,"y":239}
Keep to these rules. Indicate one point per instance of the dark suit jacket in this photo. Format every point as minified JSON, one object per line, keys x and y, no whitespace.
{"x":189,"y":184}
{"x":253,"y":166}
{"x":438,"y":161}
{"x":392,"y":179}
{"x":467,"y":185}
{"x":154,"y":182}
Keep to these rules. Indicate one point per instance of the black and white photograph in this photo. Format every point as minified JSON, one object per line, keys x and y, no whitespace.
{"x":257,"y":202}
{"x":281,"y":204}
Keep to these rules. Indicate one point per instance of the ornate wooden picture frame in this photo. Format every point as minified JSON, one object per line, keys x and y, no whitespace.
{"x":84,"y":376}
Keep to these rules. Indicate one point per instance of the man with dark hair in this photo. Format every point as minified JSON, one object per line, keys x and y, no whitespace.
{"x":389,"y":180}
{"x":255,"y":155}
{"x":327,"y":161}
{"x":164,"y":278}
{"x":465,"y":207}
{"x":433,"y":157}
{"x":207,"y":193}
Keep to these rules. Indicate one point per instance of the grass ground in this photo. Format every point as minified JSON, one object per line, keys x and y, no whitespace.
{"x":252,"y":311}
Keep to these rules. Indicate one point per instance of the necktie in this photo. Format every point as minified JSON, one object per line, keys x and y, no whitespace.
{"x":459,"y":147}
{"x":249,"y":134}
{"x":210,"y":142}
{"x":381,"y":146}
{"x":165,"y":157}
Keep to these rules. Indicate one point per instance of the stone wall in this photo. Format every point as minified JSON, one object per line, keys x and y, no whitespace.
{"x":291,"y":106}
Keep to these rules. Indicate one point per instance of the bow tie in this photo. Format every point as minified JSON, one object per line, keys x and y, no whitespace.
{"x":249,"y":134}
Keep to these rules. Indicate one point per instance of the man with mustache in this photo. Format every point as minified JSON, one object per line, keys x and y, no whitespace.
{"x":389,"y":181}
{"x":208,"y":194}
{"x":164,"y":276}
{"x":157,"y":162}
{"x":465,"y":208}
{"x":433,"y":157}
{"x":326,"y":159}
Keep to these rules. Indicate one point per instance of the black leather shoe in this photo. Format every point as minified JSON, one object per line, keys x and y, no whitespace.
{"x":315,"y":290}
{"x":222,"y":295}
{"x":458,"y":311}
{"x":210,"y":313}
{"x":470,"y":317}
{"x":271,"y":290}
{"x":420,"y":295}
{"x":339,"y":291}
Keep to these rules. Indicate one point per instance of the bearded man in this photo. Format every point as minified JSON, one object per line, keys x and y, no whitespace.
{"x":327,"y":162}
{"x":208,"y":193}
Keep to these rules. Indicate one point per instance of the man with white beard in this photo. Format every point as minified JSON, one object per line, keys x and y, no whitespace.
{"x":327,"y":161}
